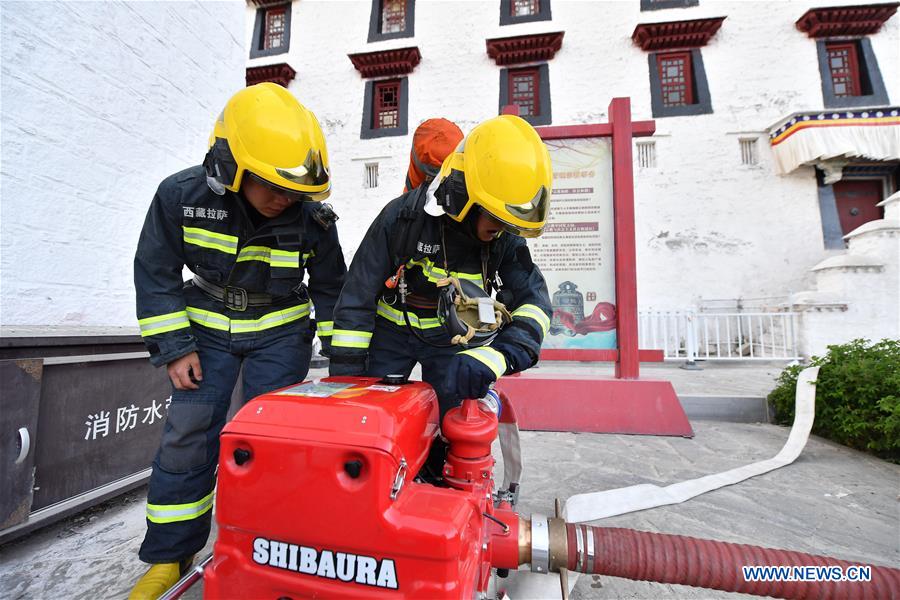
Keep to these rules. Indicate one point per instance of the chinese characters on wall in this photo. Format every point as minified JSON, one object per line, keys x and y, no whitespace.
{"x":102,"y":423}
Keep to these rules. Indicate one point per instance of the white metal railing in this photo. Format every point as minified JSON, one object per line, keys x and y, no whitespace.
{"x":690,"y":335}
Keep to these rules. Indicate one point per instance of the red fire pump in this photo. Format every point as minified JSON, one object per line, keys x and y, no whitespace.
{"x":318,"y":497}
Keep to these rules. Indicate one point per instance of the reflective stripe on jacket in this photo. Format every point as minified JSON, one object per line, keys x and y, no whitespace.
{"x":523,"y":287}
{"x":214,"y":237}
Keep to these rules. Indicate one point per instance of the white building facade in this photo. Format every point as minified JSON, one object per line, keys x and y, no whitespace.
{"x":721,"y":212}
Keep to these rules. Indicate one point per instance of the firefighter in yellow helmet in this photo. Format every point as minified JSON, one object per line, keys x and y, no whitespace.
{"x":412,"y":290}
{"x":248,"y":225}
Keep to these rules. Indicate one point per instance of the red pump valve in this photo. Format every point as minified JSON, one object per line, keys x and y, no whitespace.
{"x":470,"y":430}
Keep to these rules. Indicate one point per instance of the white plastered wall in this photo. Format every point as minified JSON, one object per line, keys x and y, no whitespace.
{"x":707,"y":226}
{"x":100,"y":102}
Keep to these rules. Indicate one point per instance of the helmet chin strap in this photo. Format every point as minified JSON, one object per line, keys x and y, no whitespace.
{"x":212,"y":170}
{"x":217,"y":188}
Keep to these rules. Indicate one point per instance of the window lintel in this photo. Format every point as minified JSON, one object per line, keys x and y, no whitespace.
{"x":676,"y":34}
{"x":845,"y":20}
{"x":524,"y":48}
{"x":386,"y":63}
{"x":282,"y":74}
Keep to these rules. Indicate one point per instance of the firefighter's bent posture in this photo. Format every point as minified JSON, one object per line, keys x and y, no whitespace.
{"x":247,"y":225}
{"x":467,"y":224}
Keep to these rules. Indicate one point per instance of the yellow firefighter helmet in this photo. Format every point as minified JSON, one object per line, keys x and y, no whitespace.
{"x":506,"y":171}
{"x":264,"y":130}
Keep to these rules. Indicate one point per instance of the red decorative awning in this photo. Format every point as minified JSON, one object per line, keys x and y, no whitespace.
{"x":524,"y":48}
{"x":845,"y":20}
{"x":386,"y":63}
{"x":676,"y":34}
{"x":282,"y":74}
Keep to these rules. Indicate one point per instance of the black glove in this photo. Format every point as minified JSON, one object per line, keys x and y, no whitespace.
{"x":348,"y":366}
{"x":468,"y":377}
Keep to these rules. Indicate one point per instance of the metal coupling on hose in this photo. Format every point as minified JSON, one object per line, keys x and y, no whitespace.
{"x":546,"y":544}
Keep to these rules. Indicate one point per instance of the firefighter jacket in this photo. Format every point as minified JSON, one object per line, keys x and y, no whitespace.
{"x":365,"y":297}
{"x":215,"y":238}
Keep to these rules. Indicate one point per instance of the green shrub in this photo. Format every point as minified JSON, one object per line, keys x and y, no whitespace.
{"x":857,"y":396}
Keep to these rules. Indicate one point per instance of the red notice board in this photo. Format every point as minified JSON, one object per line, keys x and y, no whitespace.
{"x":587,"y":255}
{"x":587,"y":251}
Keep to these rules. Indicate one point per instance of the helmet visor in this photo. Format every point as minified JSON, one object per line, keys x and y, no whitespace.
{"x":534,"y":211}
{"x":312,"y":172}
{"x":292,"y":195}
{"x":522,"y":231}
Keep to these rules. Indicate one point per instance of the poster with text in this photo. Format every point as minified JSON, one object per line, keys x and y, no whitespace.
{"x":576,"y":253}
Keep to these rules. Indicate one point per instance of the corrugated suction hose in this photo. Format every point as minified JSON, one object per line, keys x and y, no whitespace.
{"x":714,"y":565}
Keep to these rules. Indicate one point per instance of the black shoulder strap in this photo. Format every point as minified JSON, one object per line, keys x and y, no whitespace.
{"x":410,"y":222}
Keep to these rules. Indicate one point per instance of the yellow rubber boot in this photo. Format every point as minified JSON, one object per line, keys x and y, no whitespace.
{"x":158,"y":579}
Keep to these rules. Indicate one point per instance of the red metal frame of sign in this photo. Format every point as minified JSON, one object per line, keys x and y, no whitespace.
{"x":625,"y":404}
{"x":621,"y":129}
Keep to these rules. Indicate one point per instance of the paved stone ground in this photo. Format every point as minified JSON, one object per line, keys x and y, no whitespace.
{"x":832,"y":501}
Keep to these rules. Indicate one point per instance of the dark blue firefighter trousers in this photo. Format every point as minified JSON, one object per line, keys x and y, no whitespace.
{"x":179,"y":502}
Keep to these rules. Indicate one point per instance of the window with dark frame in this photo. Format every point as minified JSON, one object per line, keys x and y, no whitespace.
{"x":393,"y":16}
{"x":843,"y":64}
{"x":525,"y":8}
{"x":678,"y":86}
{"x":527,"y":88}
{"x":848,"y":65}
{"x":524,"y":11}
{"x":274,"y":28}
{"x":392,"y":19}
{"x":271,"y":30}
{"x":675,"y":78}
{"x":386,"y":111}
{"x":524,"y":86}
{"x":850,"y":74}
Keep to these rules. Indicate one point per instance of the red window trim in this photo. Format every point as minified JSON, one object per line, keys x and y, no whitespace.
{"x":688,"y":76}
{"x":377,"y":108}
{"x":853,"y":67}
{"x":265,"y":33}
{"x":536,"y":97}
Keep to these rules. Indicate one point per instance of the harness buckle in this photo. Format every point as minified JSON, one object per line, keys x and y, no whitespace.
{"x":235,"y":298}
{"x":301,"y":292}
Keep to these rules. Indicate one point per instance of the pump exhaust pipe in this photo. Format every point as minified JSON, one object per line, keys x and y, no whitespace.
{"x":551,"y":545}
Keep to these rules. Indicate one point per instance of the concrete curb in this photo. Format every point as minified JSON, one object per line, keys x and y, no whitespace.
{"x":730,"y":408}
